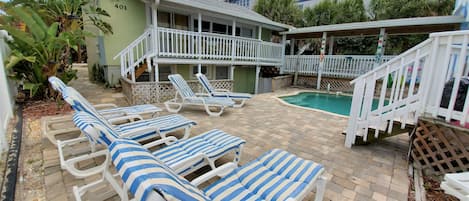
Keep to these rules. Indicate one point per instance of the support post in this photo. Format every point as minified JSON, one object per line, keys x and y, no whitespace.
{"x":321,"y":59}
{"x":331,"y":45}
{"x":232,"y":68}
{"x":156,"y":48}
{"x":258,"y":71}
{"x":199,"y":26}
{"x":292,"y":52}
{"x":380,"y":48}
{"x":259,"y":44}
{"x":284,"y":41}
{"x":233,"y":42}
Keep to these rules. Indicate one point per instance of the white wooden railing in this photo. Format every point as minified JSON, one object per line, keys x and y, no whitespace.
{"x":6,"y":96}
{"x":193,"y":45}
{"x":135,"y":53}
{"x":411,"y":85}
{"x":180,"y":44}
{"x":337,"y":66}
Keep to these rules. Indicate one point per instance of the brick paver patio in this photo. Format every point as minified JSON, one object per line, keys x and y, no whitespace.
{"x":372,"y":172}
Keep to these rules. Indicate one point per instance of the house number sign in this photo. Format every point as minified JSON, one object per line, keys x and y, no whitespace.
{"x":120,"y":4}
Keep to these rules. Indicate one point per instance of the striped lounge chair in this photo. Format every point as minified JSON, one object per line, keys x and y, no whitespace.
{"x":240,"y":98}
{"x":276,"y":175}
{"x":51,"y":131}
{"x":183,"y":156}
{"x":190,"y":98}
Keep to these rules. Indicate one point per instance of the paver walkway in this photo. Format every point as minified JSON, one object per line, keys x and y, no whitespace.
{"x":373,"y":172}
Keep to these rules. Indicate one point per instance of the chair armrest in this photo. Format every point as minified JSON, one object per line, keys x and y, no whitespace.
{"x":189,"y":162}
{"x":222,"y":90}
{"x":166,"y":140}
{"x":222,"y":170}
{"x":202,"y":94}
{"x":130,"y":118}
{"x":104,"y":106}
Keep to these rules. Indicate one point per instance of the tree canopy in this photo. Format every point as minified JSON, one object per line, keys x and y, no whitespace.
{"x":284,"y":11}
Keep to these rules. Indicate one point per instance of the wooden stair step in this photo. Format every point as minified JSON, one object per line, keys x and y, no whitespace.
{"x":396,"y":130}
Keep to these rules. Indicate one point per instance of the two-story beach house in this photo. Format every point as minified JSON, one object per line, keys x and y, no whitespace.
{"x":152,"y":39}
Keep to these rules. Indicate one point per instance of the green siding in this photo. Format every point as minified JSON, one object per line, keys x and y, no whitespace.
{"x":184,"y":71}
{"x":244,"y":79}
{"x":127,"y":25}
{"x":266,"y":34}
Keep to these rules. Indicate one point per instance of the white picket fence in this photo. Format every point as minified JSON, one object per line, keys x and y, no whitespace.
{"x":411,"y":85}
{"x":6,"y":98}
{"x":336,"y":66}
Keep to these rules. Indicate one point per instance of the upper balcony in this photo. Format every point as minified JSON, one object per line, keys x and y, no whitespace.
{"x":180,"y":46}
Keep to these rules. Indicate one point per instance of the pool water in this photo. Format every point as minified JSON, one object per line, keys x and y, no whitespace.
{"x":337,"y":104}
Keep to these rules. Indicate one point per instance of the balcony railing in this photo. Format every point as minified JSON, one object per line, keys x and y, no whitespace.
{"x":193,"y":45}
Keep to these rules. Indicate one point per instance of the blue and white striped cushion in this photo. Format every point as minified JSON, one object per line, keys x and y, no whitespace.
{"x":214,"y":144}
{"x":57,"y":84}
{"x":276,"y":175}
{"x":209,"y":88}
{"x":181,"y":85}
{"x":205,"y":83}
{"x":136,"y":109}
{"x":80,"y":103}
{"x":143,"y":173}
{"x":88,"y":123}
{"x":161,"y":124}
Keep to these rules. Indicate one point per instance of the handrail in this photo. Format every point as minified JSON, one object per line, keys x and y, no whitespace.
{"x":134,"y":43}
{"x":404,"y":85}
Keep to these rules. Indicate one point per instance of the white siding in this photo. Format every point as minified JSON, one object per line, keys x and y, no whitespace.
{"x":6,"y":97}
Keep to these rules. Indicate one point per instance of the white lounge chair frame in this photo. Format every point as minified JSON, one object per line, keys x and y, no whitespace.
{"x":185,"y":96}
{"x":457,"y":184}
{"x":240,"y":101}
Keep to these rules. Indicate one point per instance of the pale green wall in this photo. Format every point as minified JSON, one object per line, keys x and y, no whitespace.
{"x":127,"y":25}
{"x":184,"y":71}
{"x":244,"y":79}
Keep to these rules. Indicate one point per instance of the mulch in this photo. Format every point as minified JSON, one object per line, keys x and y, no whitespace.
{"x":434,"y":192}
{"x":38,"y":109}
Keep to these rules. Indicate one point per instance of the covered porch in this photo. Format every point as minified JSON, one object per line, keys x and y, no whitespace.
{"x":334,"y":72}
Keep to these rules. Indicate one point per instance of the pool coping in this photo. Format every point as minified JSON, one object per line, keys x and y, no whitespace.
{"x":278,"y":97}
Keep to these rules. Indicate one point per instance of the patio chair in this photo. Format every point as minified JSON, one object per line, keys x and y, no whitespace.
{"x":237,"y":97}
{"x":457,"y":184}
{"x":276,"y":175}
{"x":183,"y":156}
{"x":190,"y":98}
{"x":51,"y":131}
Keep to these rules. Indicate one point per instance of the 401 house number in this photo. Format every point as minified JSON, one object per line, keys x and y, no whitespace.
{"x":120,"y":6}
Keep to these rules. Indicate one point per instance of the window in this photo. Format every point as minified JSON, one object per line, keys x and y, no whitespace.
{"x":205,"y":26}
{"x":163,"y":72}
{"x":181,"y":22}
{"x":204,"y":70}
{"x":221,"y":72}
{"x":219,"y":28}
{"x":164,"y":19}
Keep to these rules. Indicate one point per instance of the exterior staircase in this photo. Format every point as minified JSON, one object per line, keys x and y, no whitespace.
{"x":409,"y":86}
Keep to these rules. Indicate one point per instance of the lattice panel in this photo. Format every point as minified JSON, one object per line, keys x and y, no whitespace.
{"x":336,"y":85}
{"x":166,"y":91}
{"x":159,"y":92}
{"x":222,"y":84}
{"x":440,"y":149}
{"x":306,"y":81}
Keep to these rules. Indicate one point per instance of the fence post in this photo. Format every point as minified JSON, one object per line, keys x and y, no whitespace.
{"x":321,"y":58}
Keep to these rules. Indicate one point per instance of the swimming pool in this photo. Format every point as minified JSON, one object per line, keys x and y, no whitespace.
{"x":337,"y":104}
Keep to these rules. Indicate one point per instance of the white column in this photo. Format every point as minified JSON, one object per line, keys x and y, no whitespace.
{"x":199,"y":25}
{"x":380,"y":48}
{"x":331,"y":45}
{"x":156,"y":46}
{"x":284,"y":40}
{"x":321,"y":58}
{"x":258,"y":71}
{"x":232,"y":68}
{"x":233,"y":44}
{"x":292,"y":46}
